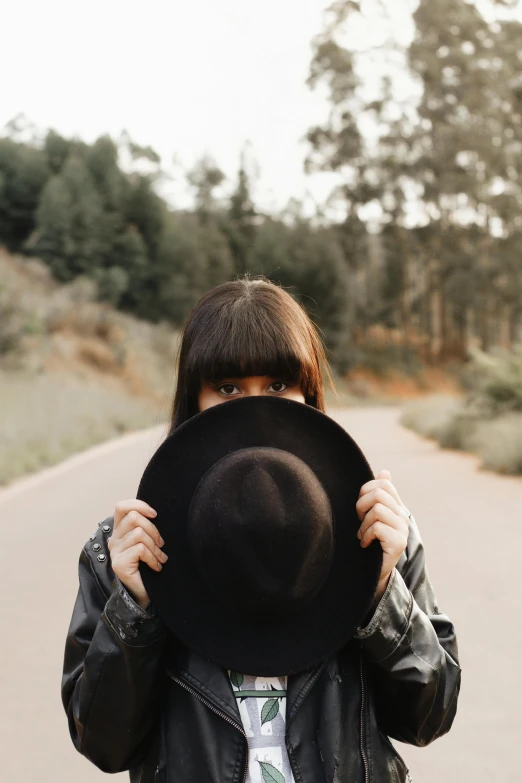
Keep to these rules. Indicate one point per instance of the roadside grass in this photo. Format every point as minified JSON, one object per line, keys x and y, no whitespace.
{"x":46,"y":418}
{"x":430,"y":416}
{"x":499,"y":444}
{"x":487,"y":420}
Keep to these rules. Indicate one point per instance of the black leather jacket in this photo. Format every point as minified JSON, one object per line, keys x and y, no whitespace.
{"x":138,"y":700}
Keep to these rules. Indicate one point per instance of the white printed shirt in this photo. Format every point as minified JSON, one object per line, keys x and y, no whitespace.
{"x":262,"y":706}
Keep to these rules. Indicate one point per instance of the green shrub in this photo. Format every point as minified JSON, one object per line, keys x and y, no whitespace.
{"x":488,"y":421}
{"x":494,"y":381}
{"x":499,"y":443}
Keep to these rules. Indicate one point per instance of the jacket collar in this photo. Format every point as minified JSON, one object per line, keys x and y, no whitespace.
{"x":212,"y":682}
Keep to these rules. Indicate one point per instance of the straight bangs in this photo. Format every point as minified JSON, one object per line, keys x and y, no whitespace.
{"x":238,"y":349}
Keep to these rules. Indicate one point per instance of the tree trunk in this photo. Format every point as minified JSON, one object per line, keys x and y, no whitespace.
{"x":435,"y":310}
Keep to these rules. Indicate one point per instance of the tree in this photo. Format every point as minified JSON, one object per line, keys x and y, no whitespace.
{"x":147,"y":211}
{"x":192,"y":258}
{"x":310,"y":263}
{"x":440,"y":163}
{"x":120,"y":242}
{"x":182,"y":268}
{"x":67,"y":221}
{"x":204,"y":178}
{"x":241,"y":224}
{"x":23,"y":173}
{"x":119,"y":282}
{"x":56,"y":150}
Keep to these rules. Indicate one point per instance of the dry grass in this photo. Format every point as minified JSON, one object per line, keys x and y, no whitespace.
{"x":45,"y":418}
{"x":49,"y":327}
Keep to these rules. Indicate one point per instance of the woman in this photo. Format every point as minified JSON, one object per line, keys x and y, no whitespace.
{"x":137,"y":700}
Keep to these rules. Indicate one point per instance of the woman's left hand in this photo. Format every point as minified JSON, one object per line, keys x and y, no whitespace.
{"x":383,"y":516}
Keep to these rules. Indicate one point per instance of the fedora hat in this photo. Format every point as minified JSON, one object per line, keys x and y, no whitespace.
{"x":255,"y":501}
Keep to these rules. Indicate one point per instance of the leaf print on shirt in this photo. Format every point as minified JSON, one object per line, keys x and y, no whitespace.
{"x":269,"y":711}
{"x":236,"y":679}
{"x":270,"y":773}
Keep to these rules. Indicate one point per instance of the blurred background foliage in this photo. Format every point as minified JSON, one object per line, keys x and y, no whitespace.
{"x":414,"y":262}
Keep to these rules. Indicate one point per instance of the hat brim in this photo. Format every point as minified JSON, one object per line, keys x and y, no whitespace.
{"x":265,"y":646}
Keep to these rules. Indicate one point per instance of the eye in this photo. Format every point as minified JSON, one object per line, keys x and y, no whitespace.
{"x":279,"y":383}
{"x":226,"y":389}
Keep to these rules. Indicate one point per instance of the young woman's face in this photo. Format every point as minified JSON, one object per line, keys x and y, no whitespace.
{"x":254,"y":385}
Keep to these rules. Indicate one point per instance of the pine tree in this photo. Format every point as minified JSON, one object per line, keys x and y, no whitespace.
{"x":23,"y":173}
{"x":67,"y":221}
{"x":241,"y":224}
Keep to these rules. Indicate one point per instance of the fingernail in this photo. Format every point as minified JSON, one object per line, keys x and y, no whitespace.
{"x":162,"y":543}
{"x":358,"y":534}
{"x":159,"y":566}
{"x":154,"y":512}
{"x":164,"y":557}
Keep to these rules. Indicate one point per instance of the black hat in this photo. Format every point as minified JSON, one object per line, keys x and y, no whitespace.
{"x":255,"y":501}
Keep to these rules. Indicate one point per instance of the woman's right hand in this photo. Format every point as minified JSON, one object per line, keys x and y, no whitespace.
{"x":135,"y":538}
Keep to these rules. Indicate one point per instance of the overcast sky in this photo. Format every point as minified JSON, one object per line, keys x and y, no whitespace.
{"x":188,"y":78}
{"x":185,"y":77}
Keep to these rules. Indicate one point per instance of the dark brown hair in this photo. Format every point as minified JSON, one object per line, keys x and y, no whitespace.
{"x":248,"y":326}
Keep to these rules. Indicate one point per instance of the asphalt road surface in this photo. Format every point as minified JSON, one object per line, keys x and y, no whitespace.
{"x":471,"y":525}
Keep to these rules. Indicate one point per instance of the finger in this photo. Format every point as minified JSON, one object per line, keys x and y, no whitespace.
{"x":381,"y":513}
{"x":124,"y":506}
{"x":132,"y":556}
{"x":377,"y":495}
{"x":392,"y":541}
{"x":134,"y":519}
{"x":382,"y":483}
{"x":136,"y":536}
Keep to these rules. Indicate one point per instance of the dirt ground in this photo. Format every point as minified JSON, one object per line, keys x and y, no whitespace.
{"x":471,"y":524}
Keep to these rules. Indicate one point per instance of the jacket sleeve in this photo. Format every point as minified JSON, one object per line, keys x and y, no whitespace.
{"x":412,"y":654}
{"x":111,"y":684}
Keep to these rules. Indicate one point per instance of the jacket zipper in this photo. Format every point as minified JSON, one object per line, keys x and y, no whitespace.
{"x":363,"y":751}
{"x":240,"y":728}
{"x":221,"y":715}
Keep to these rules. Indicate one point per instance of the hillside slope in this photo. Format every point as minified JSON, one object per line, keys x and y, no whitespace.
{"x":73,"y":371}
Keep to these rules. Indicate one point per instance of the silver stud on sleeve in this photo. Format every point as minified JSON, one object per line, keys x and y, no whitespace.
{"x":91,"y":538}
{"x":97,"y":547}
{"x":102,"y":558}
{"x":106,"y":529}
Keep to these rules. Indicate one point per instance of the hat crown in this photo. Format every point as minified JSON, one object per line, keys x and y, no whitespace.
{"x":260,"y":529}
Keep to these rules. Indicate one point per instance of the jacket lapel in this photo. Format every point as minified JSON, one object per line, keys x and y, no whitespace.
{"x":298,"y":687}
{"x":207,"y":678}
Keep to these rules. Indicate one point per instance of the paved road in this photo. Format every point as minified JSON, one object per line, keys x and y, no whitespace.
{"x":471,"y":523}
